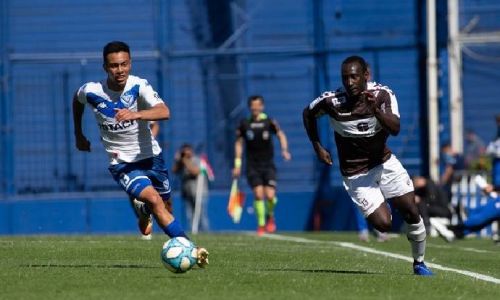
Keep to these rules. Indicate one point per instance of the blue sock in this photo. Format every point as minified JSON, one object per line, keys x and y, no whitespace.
{"x":174,"y":229}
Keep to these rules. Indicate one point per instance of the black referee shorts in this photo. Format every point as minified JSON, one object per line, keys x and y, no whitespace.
{"x":263,"y":174}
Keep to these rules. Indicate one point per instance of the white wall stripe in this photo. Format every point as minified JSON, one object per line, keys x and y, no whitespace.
{"x":382,"y":253}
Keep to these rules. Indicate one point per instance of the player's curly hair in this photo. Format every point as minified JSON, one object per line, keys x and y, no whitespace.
{"x":356,"y":59}
{"x":113,"y":47}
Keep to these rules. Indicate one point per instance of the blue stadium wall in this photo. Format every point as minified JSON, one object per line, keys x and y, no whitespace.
{"x":289,"y":51}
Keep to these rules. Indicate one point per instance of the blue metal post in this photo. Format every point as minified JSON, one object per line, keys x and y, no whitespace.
{"x":321,"y":74}
{"x":166,"y":43}
{"x":6,"y":107}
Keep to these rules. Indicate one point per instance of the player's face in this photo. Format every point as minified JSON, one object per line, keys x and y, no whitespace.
{"x":256,"y":108}
{"x":354,"y":79}
{"x":118,"y":68}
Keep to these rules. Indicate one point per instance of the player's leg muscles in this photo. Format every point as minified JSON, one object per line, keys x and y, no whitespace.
{"x":380,"y":218}
{"x":164,"y":218}
{"x":407,"y":207}
{"x":259,"y":205}
{"x":155,"y":202}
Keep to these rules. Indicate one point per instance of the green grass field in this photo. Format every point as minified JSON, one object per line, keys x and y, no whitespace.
{"x":241,"y":267}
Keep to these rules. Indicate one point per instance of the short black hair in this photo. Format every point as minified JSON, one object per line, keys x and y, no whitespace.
{"x":254,"y":98}
{"x":356,"y":59}
{"x":113,"y":47}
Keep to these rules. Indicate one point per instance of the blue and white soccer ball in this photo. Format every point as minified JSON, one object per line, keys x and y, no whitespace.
{"x":179,"y":254}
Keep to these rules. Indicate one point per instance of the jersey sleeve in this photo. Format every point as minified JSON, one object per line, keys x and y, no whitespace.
{"x":81,"y":94}
{"x":275,"y":127}
{"x":318,"y":106}
{"x":240,"y":129}
{"x":148,"y":95}
{"x":388,"y":102}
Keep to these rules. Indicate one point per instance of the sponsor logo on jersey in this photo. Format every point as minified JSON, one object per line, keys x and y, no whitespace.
{"x":257,"y":125}
{"x":337,"y":101}
{"x":363,"y":126}
{"x":117,"y":126}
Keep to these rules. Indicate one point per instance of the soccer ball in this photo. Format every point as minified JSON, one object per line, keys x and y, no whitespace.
{"x":179,"y":255}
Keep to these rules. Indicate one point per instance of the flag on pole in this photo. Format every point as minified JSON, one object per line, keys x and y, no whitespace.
{"x":236,"y":202}
{"x":206,"y":168}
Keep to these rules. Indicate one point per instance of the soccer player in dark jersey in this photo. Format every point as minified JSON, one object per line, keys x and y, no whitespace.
{"x":363,"y":114}
{"x":256,"y":133}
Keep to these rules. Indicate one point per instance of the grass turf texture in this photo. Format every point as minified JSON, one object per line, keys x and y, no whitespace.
{"x":242,"y":267}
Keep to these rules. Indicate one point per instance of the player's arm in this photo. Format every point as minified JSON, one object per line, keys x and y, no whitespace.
{"x":81,"y":141}
{"x":155,"y":128}
{"x":158,"y":112}
{"x":309,"y":116}
{"x":383,"y":112}
{"x":238,"y":152}
{"x":156,"y":109}
{"x":283,"y":141}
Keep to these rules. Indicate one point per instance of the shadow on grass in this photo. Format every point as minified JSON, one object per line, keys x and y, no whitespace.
{"x":354,"y":272}
{"x":115,"y":266}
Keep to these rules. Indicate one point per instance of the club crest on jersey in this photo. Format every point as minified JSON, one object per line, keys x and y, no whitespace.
{"x":250,"y":135}
{"x":130,"y":96}
{"x":127,"y":100}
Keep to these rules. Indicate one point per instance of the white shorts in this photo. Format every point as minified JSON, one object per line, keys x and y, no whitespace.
{"x":386,"y":181}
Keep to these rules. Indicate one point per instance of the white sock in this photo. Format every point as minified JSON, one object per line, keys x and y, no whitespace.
{"x":416,"y":235}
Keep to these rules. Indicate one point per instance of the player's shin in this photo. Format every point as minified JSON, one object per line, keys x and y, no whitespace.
{"x":260,"y":212}
{"x":416,"y":235}
{"x":271,"y":204}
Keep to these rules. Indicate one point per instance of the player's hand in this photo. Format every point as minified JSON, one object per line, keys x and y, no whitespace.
{"x":126,"y":115}
{"x":323,"y":155}
{"x":236,"y":172}
{"x":286,"y":155}
{"x":82,"y":143}
{"x":371,"y":100}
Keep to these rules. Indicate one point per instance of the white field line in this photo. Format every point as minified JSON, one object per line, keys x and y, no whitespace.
{"x":348,"y":245}
{"x":470,"y":249}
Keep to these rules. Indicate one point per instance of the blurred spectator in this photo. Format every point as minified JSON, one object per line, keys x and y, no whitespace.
{"x":483,"y":215}
{"x":433,"y":205}
{"x":453,"y":167}
{"x":189,"y":167}
{"x":493,"y":150}
{"x":474,"y":149}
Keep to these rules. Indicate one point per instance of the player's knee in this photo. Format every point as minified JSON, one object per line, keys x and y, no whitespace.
{"x":383,"y":224}
{"x":152,"y":199}
{"x":412,"y":216}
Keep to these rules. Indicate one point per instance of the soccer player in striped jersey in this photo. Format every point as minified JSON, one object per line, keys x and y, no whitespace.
{"x":124,"y":105}
{"x":363,"y":114}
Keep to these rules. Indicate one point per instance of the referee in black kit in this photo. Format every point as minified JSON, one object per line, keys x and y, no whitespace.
{"x":256,"y":133}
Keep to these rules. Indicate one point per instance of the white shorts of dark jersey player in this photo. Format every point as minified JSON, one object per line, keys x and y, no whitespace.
{"x":369,"y":190}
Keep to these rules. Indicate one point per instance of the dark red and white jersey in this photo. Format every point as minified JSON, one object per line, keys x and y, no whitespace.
{"x":359,"y":136}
